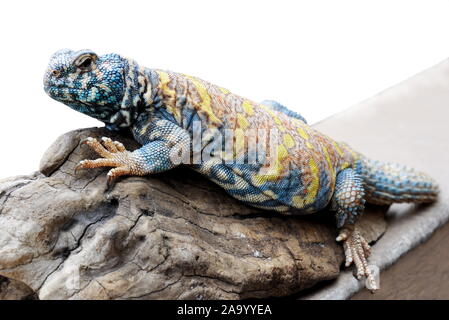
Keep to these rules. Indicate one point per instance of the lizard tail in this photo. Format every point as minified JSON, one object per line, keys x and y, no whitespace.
{"x":386,"y":183}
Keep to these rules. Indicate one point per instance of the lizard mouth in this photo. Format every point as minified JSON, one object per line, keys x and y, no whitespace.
{"x":62,"y":94}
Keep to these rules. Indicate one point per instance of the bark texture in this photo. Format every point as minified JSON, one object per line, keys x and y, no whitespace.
{"x":176,"y":235}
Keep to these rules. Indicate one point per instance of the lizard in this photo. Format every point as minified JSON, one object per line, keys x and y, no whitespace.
{"x":181,"y":119}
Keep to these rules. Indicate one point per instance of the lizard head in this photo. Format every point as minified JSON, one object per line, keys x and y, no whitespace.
{"x":88,"y":83}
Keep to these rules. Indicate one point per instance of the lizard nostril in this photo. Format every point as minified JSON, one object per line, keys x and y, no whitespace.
{"x":56,"y":73}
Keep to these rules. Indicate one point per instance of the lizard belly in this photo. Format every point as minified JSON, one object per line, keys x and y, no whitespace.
{"x":296,"y":192}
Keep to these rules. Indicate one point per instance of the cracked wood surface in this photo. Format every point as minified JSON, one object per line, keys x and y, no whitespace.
{"x":168,"y":236}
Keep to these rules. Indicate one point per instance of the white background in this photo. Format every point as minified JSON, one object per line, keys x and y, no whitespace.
{"x":316,"y":57}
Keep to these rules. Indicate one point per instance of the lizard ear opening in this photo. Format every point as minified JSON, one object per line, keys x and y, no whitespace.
{"x":85,"y":61}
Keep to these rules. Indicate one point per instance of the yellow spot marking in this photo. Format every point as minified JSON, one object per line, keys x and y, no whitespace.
{"x":270,"y":194}
{"x":328,"y":159}
{"x":169,"y":95}
{"x":246,"y":105}
{"x":288,"y":141}
{"x":309,"y":145}
{"x":223,"y":90}
{"x":275,"y":118}
{"x":242,"y":121}
{"x":205,"y":100}
{"x":344,"y":165}
{"x":337,"y":147}
{"x":239,"y":141}
{"x":275,"y":170}
{"x":303,"y":133}
{"x":278,"y":122}
{"x":282,"y":152}
{"x":298,"y":201}
{"x":313,"y":188}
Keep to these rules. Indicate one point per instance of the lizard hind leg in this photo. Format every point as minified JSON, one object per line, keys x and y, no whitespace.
{"x":348,"y":202}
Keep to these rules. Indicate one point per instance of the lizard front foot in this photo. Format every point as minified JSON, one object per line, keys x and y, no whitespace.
{"x":114,"y":154}
{"x":357,"y":250}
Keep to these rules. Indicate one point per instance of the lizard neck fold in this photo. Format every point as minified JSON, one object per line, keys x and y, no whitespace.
{"x":138,"y":96}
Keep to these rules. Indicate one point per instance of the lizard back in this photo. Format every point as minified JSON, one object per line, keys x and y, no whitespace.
{"x":303,"y":163}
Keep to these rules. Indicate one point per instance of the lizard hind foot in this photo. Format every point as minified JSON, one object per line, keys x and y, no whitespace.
{"x":357,"y":250}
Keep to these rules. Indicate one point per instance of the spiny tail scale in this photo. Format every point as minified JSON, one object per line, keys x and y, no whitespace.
{"x":386,"y":183}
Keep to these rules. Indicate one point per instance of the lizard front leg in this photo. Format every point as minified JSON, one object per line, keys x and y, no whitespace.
{"x":348,"y":202}
{"x":163,"y":143}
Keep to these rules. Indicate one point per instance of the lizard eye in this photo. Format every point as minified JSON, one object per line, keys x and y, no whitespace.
{"x":85,"y":62}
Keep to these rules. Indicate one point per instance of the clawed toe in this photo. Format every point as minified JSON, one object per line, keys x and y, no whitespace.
{"x":110,"y":146}
{"x":113,"y":174}
{"x":113,"y":153}
{"x":357,"y":250}
{"x":120,"y":147}
{"x":85,"y":164}
{"x":106,"y":148}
